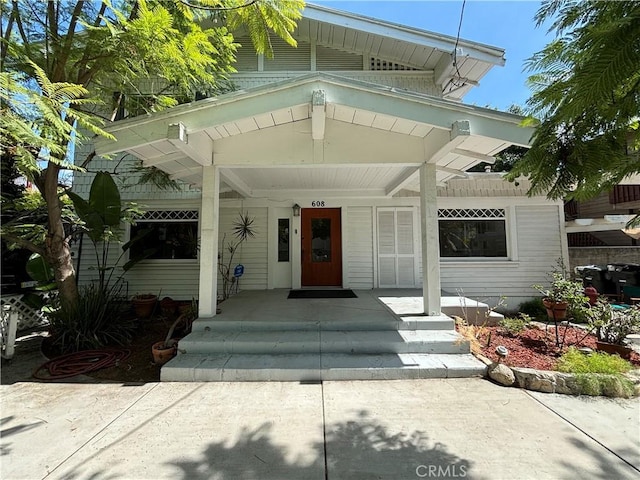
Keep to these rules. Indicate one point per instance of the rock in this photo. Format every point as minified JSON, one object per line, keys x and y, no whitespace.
{"x":502,"y":374}
{"x":537,"y":380}
{"x":566,"y":384}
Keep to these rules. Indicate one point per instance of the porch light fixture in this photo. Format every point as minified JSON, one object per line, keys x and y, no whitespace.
{"x":296,"y":210}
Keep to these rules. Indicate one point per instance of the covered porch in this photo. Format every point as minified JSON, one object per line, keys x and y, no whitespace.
{"x":315,"y":138}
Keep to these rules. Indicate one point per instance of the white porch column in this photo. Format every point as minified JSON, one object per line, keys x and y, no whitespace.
{"x":430,"y":240}
{"x":209,"y":214}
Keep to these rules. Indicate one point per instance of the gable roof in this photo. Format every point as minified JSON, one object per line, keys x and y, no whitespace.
{"x":417,"y":48}
{"x":254,"y":127}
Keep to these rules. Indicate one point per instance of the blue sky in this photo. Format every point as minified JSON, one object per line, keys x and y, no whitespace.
{"x":505,"y":24}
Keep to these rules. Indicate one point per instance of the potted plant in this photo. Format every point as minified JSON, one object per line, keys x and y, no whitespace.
{"x":165,"y":350}
{"x":611,"y":326}
{"x":144,"y":304}
{"x":168,"y":306}
{"x":564,"y":295}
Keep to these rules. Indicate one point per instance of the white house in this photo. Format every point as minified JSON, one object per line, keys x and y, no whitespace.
{"x":362,"y":123}
{"x":363,"y":127}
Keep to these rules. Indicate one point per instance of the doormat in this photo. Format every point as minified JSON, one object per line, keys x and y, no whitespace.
{"x":322,"y":294}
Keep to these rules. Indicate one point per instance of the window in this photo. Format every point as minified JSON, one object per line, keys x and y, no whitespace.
{"x":283,"y":240}
{"x":166,"y":234}
{"x":473,"y":233}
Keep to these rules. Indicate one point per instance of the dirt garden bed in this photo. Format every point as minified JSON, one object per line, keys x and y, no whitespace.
{"x":535,"y":346}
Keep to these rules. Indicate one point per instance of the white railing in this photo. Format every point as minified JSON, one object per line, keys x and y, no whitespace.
{"x":8,"y":329}
{"x":27,"y":317}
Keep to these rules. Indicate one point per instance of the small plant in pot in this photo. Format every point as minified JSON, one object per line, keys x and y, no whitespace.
{"x":611,"y":326}
{"x":166,"y":349}
{"x":562,"y":299}
{"x":144,"y":304}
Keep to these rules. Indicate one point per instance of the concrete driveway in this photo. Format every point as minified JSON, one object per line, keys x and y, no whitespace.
{"x":408,"y":429}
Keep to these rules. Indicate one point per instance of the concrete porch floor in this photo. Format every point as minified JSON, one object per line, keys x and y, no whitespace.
{"x":381,"y":334}
{"x":397,"y":306}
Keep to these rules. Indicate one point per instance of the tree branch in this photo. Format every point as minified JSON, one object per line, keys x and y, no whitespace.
{"x":88,"y":159}
{"x":6,"y":36}
{"x":22,"y":243}
{"x":217,"y":9}
{"x":63,"y":55}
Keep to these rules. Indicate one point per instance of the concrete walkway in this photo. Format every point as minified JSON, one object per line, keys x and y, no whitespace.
{"x":408,"y":429}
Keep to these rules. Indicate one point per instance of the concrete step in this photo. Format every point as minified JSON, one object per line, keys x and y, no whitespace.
{"x":318,"y":367}
{"x":412,"y":322}
{"x":344,"y":342}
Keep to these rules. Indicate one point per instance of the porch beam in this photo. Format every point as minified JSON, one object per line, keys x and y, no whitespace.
{"x":235,"y":182}
{"x":155,"y":161}
{"x":209,"y":218}
{"x":460,"y":132}
{"x":401,"y":182}
{"x":452,"y":171}
{"x":199,"y":148}
{"x":430,"y":240}
{"x":186,"y":172}
{"x":475,"y":155}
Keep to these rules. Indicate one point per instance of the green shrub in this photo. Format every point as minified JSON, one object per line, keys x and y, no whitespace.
{"x":534,"y":309}
{"x":513,"y":326}
{"x":574,"y":361}
{"x":598,"y":373}
{"x":98,"y":320}
{"x":595,"y":384}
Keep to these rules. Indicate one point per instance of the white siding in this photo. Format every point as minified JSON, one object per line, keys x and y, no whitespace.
{"x":252,"y":253}
{"x":359,"y":251}
{"x":538,"y":238}
{"x":328,"y":59}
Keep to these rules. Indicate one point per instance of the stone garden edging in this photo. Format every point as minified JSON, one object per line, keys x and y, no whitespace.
{"x":546,"y":381}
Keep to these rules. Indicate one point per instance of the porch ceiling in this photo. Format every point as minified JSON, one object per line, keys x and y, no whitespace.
{"x":320,"y":132}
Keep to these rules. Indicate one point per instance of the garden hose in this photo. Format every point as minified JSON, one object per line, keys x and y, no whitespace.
{"x":78,"y":363}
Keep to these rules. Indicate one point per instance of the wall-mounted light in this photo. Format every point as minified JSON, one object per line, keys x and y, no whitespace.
{"x":296,"y":210}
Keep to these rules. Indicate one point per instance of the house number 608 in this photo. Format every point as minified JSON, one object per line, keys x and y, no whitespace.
{"x":317,"y":203}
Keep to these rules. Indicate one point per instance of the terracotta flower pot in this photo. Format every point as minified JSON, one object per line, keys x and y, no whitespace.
{"x":143,"y":305}
{"x":555,"y":310}
{"x":168,"y":306}
{"x":614,"y":349}
{"x":162,"y":354}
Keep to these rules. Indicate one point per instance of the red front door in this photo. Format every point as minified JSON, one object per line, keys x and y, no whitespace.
{"x":321,"y":247}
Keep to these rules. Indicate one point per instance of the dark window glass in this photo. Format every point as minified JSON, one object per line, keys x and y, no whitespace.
{"x":283,"y":239}
{"x":320,"y":239}
{"x":473,"y":238}
{"x":177,"y":240}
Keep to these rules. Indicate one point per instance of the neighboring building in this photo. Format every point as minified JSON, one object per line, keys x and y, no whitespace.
{"x":596,"y":228}
{"x":363,"y":127}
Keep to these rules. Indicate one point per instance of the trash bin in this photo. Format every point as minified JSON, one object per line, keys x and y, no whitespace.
{"x":624,"y":275}
{"x":594,"y":275}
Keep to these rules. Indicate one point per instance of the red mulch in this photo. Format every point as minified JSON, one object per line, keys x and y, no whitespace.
{"x":535,"y":348}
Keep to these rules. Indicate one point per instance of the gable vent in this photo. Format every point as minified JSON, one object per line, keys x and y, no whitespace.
{"x":331,"y":59}
{"x":286,"y":57}
{"x":384,"y":65}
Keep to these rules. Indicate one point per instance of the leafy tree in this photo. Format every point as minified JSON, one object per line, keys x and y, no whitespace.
{"x":586,"y":93}
{"x":62,"y":61}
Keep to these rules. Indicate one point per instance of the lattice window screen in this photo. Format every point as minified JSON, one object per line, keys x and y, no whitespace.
{"x":474,"y":213}
{"x":170,"y":215}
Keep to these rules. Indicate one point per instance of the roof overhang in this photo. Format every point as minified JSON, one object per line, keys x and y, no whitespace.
{"x":421,"y":49}
{"x":318,"y":121}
